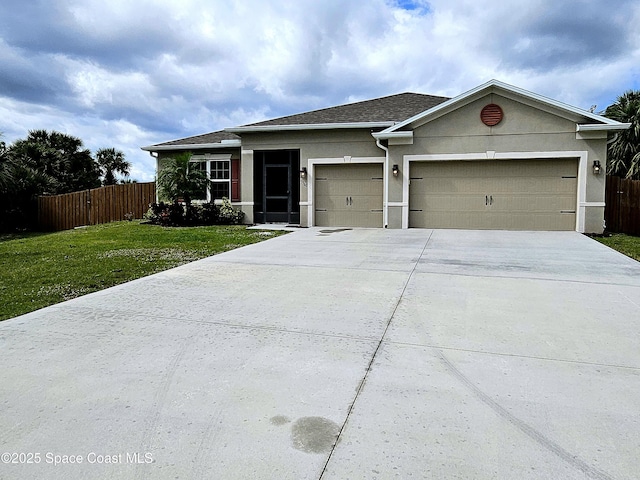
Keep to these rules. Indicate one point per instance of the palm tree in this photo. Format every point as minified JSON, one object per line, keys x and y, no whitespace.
{"x":111,"y":161}
{"x":179,"y":178}
{"x":60,"y":157}
{"x":624,"y":153}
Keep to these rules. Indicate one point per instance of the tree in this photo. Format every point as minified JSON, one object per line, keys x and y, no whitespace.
{"x":19,"y":187}
{"x":43,"y":163}
{"x":179,"y":178}
{"x":623,"y":155}
{"x":6,"y":169}
{"x":111,"y":161}
{"x":60,"y":157}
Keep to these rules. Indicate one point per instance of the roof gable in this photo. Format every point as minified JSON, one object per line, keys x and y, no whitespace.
{"x":523,"y":96}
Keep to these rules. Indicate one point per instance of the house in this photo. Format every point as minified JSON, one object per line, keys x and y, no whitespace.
{"x":495,"y":157}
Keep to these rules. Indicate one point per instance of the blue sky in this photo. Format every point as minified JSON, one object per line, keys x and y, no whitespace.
{"x":127,"y":74}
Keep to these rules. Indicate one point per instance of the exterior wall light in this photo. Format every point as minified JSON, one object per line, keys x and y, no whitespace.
{"x":395,"y":170}
{"x":596,"y":167}
{"x":303,"y":172}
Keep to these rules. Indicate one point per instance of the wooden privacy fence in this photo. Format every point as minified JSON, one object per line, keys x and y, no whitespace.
{"x":95,"y":206}
{"x":622,"y":210}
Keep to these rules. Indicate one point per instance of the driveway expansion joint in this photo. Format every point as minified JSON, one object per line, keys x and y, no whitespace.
{"x":373,"y":358}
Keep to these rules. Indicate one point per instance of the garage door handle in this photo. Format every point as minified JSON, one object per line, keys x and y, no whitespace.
{"x":486,"y":200}
{"x":490,"y":199}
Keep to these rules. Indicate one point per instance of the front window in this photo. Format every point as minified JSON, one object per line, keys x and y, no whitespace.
{"x":219,"y":174}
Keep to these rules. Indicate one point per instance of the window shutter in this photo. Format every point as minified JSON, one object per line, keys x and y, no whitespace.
{"x":235,"y":180}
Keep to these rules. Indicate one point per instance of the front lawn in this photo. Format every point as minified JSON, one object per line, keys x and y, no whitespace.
{"x":43,"y":269}
{"x":626,"y":244}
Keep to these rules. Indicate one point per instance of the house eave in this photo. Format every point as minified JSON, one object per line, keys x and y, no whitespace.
{"x":592,"y":127}
{"x":389,"y":135}
{"x":194,"y":146}
{"x":309,"y":126}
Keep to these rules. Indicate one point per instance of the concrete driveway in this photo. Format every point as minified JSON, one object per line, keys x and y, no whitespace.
{"x":426,"y":354}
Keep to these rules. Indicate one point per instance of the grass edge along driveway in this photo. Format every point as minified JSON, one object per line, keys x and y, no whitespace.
{"x":626,"y":244}
{"x":42,"y":269}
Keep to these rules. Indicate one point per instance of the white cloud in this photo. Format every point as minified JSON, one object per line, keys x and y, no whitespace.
{"x":128,"y":74}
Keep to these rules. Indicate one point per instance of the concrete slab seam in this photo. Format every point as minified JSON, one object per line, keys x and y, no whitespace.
{"x":308,"y":265}
{"x":236,"y":325}
{"x":512,"y":355}
{"x":373,"y":358}
{"x":516,"y":277}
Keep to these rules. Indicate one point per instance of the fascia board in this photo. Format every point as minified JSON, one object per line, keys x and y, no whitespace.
{"x":590,"y":127}
{"x":386,"y":136}
{"x":195,"y":146}
{"x":554,"y":103}
{"x":310,"y":126}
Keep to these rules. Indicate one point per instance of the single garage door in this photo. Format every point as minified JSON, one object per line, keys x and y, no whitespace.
{"x":348,"y":195}
{"x":501,"y":195}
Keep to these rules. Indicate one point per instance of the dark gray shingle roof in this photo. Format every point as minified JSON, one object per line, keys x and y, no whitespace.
{"x":394,"y":108}
{"x":212,"y":137}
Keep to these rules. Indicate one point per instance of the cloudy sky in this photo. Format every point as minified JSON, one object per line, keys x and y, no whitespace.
{"x":127,"y":74}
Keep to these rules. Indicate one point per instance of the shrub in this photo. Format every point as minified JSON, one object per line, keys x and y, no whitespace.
{"x":209,"y":214}
{"x":175,"y":214}
{"x":163,"y":214}
{"x":228,"y":214}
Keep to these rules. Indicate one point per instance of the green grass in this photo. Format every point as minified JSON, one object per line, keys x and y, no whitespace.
{"x":626,"y":244}
{"x":44,"y":269}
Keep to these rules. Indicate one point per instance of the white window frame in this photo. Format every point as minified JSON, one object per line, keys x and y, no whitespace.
{"x":208,"y":158}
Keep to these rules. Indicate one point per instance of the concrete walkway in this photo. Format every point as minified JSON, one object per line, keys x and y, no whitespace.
{"x":426,"y":354}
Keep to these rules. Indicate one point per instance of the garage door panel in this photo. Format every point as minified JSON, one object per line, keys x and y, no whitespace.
{"x":447,"y":185}
{"x":445,"y":203}
{"x":510,"y":194}
{"x":530,"y":203}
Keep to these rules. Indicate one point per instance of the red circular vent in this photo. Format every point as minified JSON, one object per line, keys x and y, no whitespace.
{"x":491,"y":115}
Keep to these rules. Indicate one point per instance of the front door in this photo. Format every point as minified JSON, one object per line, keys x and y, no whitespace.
{"x":277,"y":192}
{"x":277,"y":187}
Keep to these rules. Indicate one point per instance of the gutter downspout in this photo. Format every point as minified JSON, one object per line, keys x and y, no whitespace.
{"x":385,"y":176}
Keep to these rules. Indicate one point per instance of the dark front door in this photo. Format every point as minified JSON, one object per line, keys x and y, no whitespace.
{"x":277,"y":192}
{"x":277,"y":187}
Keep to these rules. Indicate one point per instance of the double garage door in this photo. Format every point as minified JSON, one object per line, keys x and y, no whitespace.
{"x":501,"y":195}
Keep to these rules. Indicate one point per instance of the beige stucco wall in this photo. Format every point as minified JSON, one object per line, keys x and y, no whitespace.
{"x":523,"y":129}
